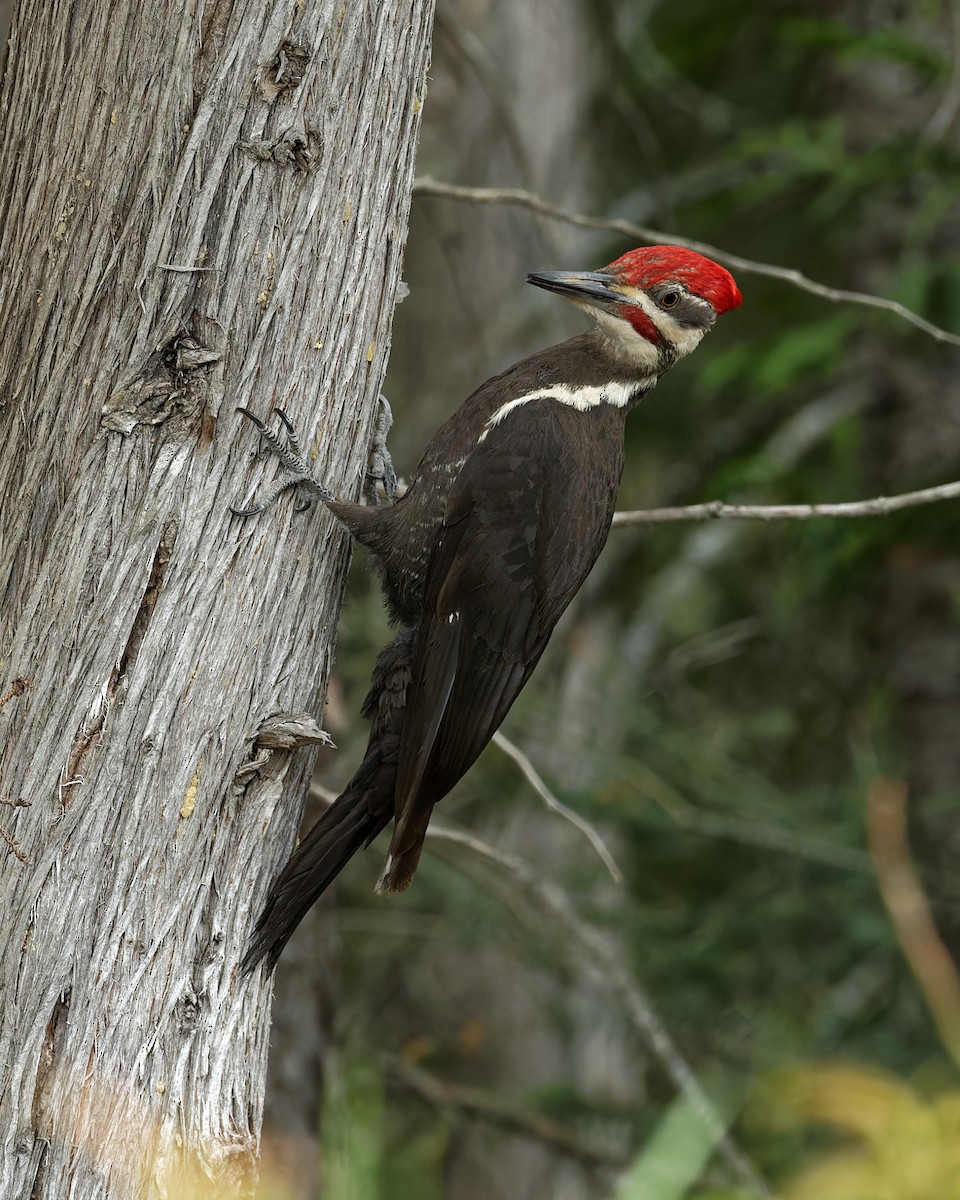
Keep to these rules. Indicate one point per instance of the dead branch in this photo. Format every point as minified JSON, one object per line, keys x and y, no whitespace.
{"x":505,"y":1112}
{"x":532,"y":777}
{"x":589,"y":953}
{"x":879,"y":506}
{"x":599,"y":959}
{"x":521,"y":198}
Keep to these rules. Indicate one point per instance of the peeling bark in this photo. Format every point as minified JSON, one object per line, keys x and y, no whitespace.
{"x":200,"y":206}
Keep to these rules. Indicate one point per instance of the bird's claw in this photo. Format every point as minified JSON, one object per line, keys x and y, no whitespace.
{"x":380,"y":468}
{"x":291,"y":457}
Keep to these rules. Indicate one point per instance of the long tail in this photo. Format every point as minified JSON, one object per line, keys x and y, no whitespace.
{"x":354,"y":819}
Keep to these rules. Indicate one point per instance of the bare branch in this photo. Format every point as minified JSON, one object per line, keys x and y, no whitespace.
{"x":530,"y":773}
{"x":597,"y":957}
{"x":529,"y":200}
{"x":550,"y":800}
{"x":504,"y":1111}
{"x":746,"y":832}
{"x":588,"y":953}
{"x":469,"y":47}
{"x":879,"y":506}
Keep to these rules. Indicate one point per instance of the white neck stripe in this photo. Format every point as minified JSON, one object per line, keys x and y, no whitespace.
{"x":618,"y":395}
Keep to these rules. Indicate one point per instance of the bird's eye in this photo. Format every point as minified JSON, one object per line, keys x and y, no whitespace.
{"x":669,"y":299}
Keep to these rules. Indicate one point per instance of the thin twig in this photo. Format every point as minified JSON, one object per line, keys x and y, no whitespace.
{"x":879,"y":506}
{"x":591,"y":953}
{"x":748,"y":833}
{"x":529,"y":200}
{"x":550,"y":800}
{"x":532,"y":776}
{"x":505,"y":1112}
{"x":601,"y":959}
{"x":471,"y":50}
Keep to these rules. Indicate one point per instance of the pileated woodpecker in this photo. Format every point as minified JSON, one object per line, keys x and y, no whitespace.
{"x":504,"y":518}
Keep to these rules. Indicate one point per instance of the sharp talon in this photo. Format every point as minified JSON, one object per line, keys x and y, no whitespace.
{"x":254,"y":418}
{"x":381,"y":465}
{"x":291,"y":458}
{"x":385,"y":417}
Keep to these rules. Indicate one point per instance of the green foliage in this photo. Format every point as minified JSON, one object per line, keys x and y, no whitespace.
{"x":739,"y":693}
{"x":352,"y":1123}
{"x":849,"y":46}
{"x":672,"y":1159}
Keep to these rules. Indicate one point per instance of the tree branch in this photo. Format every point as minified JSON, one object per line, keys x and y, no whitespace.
{"x":597,"y":958}
{"x":588,"y":953}
{"x":521,"y":198}
{"x":946,"y":111}
{"x":879,"y":506}
{"x":530,"y":773}
{"x":505,"y":1112}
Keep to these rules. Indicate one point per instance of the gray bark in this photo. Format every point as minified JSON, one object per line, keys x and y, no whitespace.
{"x":201,"y":206}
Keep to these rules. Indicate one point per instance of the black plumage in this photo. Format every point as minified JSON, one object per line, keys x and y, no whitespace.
{"x":506,"y":514}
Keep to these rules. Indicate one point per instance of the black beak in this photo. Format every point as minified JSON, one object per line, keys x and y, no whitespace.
{"x":585,"y":287}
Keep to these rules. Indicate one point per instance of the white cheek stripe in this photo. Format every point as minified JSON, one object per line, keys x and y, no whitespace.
{"x":582,"y":399}
{"x":682,"y":338}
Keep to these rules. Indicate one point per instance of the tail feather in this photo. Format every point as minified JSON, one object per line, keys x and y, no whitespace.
{"x":352,"y":822}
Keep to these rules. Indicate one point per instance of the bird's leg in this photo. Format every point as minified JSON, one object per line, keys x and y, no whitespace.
{"x":380,"y":469}
{"x":380,"y":465}
{"x":291,"y":456}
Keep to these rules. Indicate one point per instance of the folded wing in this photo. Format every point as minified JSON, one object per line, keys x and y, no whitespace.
{"x":521,"y":532}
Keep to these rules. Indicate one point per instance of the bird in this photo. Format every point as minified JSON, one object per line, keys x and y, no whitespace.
{"x":498,"y":528}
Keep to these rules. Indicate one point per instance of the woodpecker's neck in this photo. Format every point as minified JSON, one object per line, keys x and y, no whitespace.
{"x":648,"y":356}
{"x":581,"y":373}
{"x":589,"y":370}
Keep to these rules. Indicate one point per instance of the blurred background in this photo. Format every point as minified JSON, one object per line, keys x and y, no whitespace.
{"x":760,"y":720}
{"x":742,"y":710}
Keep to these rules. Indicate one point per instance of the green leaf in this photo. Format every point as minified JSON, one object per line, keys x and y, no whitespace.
{"x":672,"y":1160}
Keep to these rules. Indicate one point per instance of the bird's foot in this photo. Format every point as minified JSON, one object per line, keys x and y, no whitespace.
{"x":291,"y":456}
{"x":380,"y":464}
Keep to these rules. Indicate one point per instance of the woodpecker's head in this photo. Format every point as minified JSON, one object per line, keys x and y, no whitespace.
{"x":652,"y":305}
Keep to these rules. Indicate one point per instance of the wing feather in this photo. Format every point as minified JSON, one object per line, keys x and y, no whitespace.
{"x":524,"y":523}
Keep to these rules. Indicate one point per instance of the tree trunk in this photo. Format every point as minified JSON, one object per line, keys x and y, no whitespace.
{"x":201,"y":206}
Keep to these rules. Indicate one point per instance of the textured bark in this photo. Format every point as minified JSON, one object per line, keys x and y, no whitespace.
{"x":199,"y":206}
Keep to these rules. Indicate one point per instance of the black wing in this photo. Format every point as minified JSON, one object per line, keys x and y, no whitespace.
{"x":524,"y":523}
